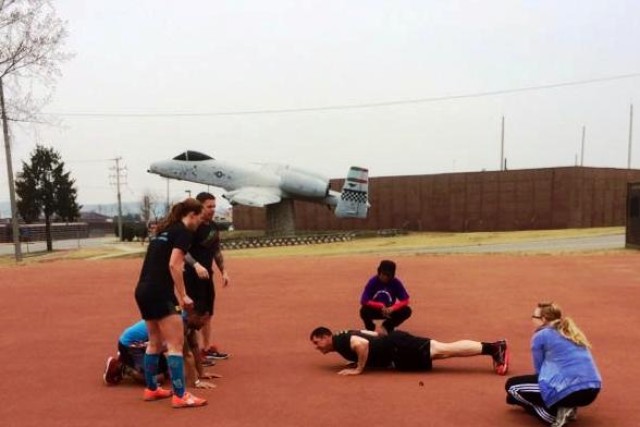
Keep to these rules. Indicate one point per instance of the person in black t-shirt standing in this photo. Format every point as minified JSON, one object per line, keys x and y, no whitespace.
{"x":401,"y":350}
{"x":198,"y":273}
{"x":161,"y":296}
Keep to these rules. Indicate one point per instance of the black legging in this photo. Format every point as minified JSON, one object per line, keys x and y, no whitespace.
{"x":525,"y":391}
{"x":397,"y":317}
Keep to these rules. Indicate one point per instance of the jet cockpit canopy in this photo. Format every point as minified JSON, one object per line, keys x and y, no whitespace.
{"x":192,"y":156}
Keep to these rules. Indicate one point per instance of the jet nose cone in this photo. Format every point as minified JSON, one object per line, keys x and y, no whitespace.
{"x":168,"y":169}
{"x":154,"y":167}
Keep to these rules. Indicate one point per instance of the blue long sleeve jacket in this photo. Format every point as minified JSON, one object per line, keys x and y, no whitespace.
{"x":563,"y":367}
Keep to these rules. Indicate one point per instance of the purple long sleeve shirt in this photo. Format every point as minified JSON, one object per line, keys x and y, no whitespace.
{"x":385,"y":293}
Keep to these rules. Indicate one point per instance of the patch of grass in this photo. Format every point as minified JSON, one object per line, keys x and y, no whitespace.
{"x":364,"y":245}
{"x":405,"y":243}
{"x":98,"y":252}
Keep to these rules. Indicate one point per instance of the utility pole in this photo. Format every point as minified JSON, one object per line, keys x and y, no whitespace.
{"x":12,"y":189}
{"x":630,"y":136}
{"x":584,"y":131}
{"x":118,"y":172}
{"x":502,"y":162}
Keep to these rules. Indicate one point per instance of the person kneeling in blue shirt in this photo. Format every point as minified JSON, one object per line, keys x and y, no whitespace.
{"x":132,"y":345}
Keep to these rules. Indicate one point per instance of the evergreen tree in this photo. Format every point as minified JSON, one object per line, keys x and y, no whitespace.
{"x":45,"y":189}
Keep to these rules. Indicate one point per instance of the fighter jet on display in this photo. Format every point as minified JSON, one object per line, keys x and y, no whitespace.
{"x":267,"y":184}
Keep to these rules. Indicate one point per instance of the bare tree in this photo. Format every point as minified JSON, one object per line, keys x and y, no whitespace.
{"x":31,"y":50}
{"x":151,"y":208}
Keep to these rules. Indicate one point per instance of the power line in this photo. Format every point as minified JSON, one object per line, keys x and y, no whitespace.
{"x":354,"y":106}
{"x":89,"y":161}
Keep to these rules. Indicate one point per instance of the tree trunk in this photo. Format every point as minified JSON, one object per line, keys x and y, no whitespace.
{"x":47,"y":232}
{"x":12,"y":192}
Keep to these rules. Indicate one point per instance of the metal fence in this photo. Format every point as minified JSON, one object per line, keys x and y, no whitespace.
{"x":36,"y":232}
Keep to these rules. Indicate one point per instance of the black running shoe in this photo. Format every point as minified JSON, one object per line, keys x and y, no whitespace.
{"x":501,"y":357}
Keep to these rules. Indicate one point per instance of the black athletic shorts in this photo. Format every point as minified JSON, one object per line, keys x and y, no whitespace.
{"x":156,"y":305}
{"x":201,"y":291}
{"x":410,"y":353}
{"x":133,"y":357}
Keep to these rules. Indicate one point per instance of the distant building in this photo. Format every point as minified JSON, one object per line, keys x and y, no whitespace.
{"x":94,"y":217}
{"x":99,"y":225}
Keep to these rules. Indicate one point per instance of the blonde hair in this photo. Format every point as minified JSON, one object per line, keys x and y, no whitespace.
{"x":552,"y":314}
{"x":179,"y":211}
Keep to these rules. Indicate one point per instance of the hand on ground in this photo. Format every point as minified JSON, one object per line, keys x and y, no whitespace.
{"x":205,"y":385}
{"x":210,"y":375}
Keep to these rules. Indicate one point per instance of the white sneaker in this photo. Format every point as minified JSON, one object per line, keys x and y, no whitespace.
{"x":563,"y":416}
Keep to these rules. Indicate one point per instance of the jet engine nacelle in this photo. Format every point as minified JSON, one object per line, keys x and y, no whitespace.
{"x":304,"y":184}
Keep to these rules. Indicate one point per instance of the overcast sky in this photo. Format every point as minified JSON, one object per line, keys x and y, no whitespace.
{"x":160,"y":75}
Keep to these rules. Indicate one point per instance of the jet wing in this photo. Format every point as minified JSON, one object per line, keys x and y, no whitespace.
{"x":254,"y":196}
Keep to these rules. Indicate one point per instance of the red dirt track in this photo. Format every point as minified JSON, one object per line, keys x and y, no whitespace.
{"x":62,"y":319}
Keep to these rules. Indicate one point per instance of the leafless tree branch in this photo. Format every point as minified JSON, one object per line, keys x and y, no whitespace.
{"x":32,"y":39}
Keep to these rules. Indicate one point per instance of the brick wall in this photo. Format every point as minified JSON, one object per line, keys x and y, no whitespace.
{"x":530,"y":199}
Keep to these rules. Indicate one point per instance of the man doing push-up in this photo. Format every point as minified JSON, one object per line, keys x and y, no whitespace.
{"x":401,"y":350}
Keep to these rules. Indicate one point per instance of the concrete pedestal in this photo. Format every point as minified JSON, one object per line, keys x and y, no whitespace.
{"x":280,"y":219}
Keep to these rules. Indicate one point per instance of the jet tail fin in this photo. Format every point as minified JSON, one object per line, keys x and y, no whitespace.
{"x":354,"y":199}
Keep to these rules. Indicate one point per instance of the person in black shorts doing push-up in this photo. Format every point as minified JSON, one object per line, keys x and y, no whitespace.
{"x":401,"y":350}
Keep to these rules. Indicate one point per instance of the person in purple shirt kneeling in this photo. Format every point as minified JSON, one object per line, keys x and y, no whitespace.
{"x":384,"y":297}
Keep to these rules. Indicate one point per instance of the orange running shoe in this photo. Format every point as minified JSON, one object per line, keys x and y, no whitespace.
{"x":158,"y":393}
{"x":187,"y":400}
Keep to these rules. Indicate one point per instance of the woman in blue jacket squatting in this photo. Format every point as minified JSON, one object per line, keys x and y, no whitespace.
{"x":566,"y":374}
